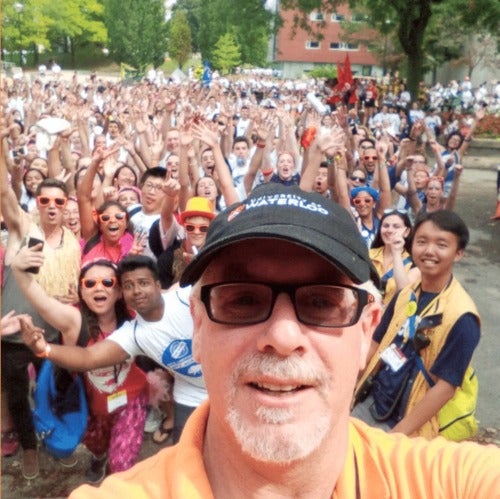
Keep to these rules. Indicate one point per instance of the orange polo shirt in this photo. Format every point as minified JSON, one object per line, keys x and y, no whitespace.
{"x":378,"y":464}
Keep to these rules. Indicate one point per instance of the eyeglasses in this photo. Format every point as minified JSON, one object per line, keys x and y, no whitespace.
{"x":359,"y":179}
{"x":148,"y":186}
{"x":358,"y":201}
{"x":368,"y":158}
{"x":247,"y":303}
{"x":45,"y":201}
{"x":391,"y":211}
{"x":192,"y":227}
{"x":107,"y":282}
{"x":106,"y":217}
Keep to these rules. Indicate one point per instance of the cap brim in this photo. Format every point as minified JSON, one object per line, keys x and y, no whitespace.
{"x":352,"y":265}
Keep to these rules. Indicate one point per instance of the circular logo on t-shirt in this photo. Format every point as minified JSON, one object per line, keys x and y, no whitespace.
{"x":178,"y":357}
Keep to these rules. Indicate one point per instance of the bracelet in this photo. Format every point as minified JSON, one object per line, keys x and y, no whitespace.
{"x":267,"y":172}
{"x":45,"y":353}
{"x":411,"y":138}
{"x":467,"y":139}
{"x":411,"y":193}
{"x":261,"y":145}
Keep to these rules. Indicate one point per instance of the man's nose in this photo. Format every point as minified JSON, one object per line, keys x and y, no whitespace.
{"x":282,"y":332}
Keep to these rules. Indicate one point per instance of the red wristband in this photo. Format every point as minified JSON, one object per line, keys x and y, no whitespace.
{"x":267,"y":172}
{"x":261,"y":145}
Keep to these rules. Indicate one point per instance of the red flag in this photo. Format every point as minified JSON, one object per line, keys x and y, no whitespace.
{"x":347,"y":73}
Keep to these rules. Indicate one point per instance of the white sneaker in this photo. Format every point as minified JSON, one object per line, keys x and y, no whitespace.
{"x":153,"y":420}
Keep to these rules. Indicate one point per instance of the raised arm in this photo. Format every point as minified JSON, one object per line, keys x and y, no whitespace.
{"x":65,"y":318}
{"x":14,"y":217}
{"x":101,"y":354}
{"x":452,"y":197}
{"x":210,"y":138}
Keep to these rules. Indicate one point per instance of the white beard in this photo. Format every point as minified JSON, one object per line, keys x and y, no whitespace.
{"x":277,"y":439}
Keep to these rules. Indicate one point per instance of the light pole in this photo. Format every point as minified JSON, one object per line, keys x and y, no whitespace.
{"x":19,"y":7}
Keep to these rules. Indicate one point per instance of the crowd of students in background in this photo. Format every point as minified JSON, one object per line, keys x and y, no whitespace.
{"x":101,"y":171}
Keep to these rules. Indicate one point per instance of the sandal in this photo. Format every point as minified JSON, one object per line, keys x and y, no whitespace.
{"x":162,"y":434}
{"x":31,"y":467}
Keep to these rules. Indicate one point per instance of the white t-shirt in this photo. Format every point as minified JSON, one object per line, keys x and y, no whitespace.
{"x":168,"y":342}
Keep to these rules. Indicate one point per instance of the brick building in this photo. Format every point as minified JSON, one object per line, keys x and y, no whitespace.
{"x":301,"y":53}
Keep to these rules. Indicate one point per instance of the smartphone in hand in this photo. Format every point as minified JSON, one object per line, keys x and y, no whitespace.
{"x":33,"y":241}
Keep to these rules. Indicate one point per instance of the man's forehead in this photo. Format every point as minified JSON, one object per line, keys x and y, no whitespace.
{"x":139,"y":273}
{"x":244,"y":261}
{"x":54,"y":191}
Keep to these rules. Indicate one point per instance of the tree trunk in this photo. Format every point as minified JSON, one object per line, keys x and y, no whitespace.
{"x":73,"y":52}
{"x":413,"y":23}
{"x":36,"y":55}
{"x":415,"y":73}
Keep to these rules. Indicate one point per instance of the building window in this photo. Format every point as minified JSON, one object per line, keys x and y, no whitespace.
{"x":312,"y":44}
{"x":317,"y":16}
{"x":343,"y":46}
{"x":359,"y":18}
{"x":337,"y":18}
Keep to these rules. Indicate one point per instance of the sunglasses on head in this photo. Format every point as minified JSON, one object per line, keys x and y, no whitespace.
{"x":368,"y":158}
{"x":359,"y":179}
{"x":45,"y":201}
{"x":106,"y":217}
{"x":107,"y":282}
{"x":358,"y":201}
{"x":192,"y":227}
{"x":391,"y":211}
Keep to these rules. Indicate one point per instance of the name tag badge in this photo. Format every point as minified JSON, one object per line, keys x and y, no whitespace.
{"x":393,"y":357}
{"x":117,"y":400}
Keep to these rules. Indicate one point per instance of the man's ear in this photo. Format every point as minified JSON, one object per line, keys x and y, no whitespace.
{"x":459,"y":255}
{"x":368,"y":322}
{"x":194,"y":308}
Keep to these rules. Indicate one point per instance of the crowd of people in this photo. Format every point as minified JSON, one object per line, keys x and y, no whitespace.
{"x":110,"y":196}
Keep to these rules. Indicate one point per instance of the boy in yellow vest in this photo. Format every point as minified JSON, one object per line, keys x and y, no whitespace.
{"x":424,"y":344}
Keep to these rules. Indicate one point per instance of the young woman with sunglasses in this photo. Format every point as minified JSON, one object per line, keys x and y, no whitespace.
{"x":434,"y":198}
{"x":390,"y":253}
{"x":117,"y":395}
{"x":365,"y":203}
{"x":106,"y":231}
{"x":196,"y":219}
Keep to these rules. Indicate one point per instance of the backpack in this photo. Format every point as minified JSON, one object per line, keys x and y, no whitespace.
{"x":60,"y":412}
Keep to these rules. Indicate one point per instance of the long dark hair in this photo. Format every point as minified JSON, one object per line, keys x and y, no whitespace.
{"x":378,"y":243}
{"x":94,"y":240}
{"x":90,"y":322}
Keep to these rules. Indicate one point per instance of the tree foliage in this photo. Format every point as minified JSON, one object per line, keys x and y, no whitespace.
{"x":192,"y":11}
{"x":179,"y":41}
{"x":248,"y":20}
{"x":226,"y":55}
{"x":51,"y":23}
{"x":136,"y":31}
{"x":410,"y":20}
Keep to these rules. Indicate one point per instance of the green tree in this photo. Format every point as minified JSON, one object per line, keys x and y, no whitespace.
{"x":77,"y":23}
{"x":25,"y":26}
{"x":179,"y":42}
{"x":192,"y":10}
{"x":136,"y":31}
{"x":226,"y":55}
{"x":247,"y":20}
{"x":410,"y":19}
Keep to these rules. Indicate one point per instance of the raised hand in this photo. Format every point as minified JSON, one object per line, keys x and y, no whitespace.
{"x":33,"y":336}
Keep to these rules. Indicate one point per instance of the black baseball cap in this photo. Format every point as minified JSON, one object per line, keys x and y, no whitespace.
{"x":304,"y":218}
